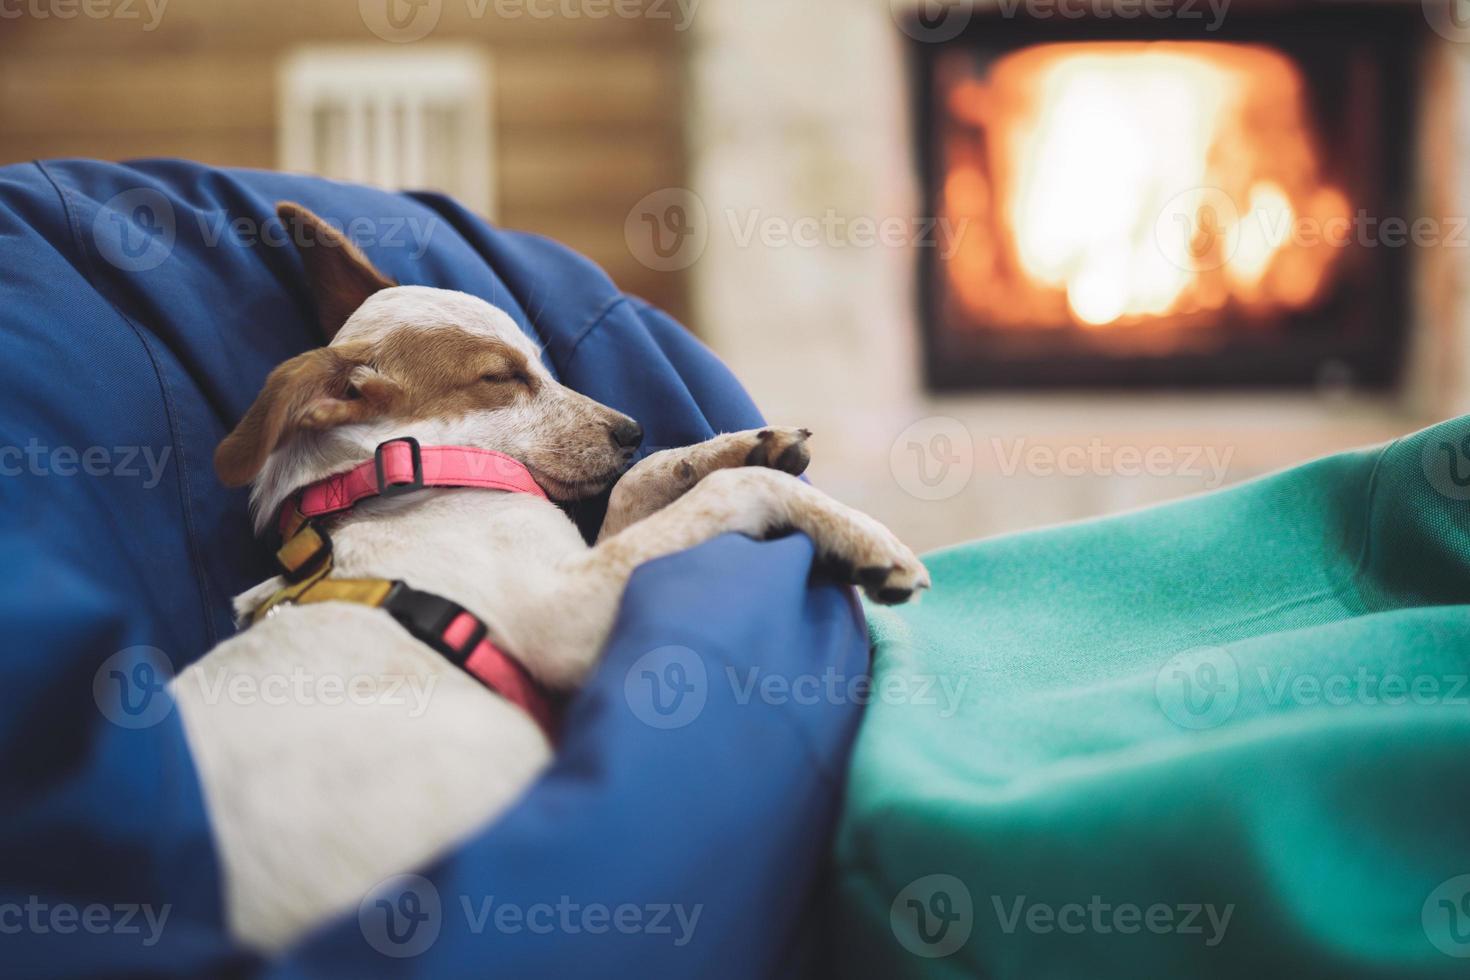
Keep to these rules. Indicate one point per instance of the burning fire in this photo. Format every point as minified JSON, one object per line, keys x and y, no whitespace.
{"x":1128,"y":181}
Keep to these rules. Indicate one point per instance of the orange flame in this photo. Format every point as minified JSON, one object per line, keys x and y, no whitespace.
{"x":1126,"y":182}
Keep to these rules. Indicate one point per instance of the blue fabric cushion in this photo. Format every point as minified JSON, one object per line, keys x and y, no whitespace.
{"x":142,"y":307}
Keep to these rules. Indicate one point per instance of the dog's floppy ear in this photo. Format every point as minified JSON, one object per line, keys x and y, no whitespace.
{"x":341,"y":277}
{"x":317,"y":390}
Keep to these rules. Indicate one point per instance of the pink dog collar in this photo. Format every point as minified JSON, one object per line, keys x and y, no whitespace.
{"x":401,"y":465}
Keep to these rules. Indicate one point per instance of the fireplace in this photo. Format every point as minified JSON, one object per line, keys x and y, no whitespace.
{"x":1147,"y":203}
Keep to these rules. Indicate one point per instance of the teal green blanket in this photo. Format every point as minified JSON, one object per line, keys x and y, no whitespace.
{"x":1230,"y":734}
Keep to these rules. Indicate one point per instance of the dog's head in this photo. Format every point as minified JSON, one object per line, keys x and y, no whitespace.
{"x":442,"y":366}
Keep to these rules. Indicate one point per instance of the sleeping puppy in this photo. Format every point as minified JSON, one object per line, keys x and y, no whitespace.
{"x":314,"y":799}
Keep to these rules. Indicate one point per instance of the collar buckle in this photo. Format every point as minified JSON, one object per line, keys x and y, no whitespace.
{"x":386,"y":489}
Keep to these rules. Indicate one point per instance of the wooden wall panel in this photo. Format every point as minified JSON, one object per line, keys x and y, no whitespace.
{"x":589,"y":112}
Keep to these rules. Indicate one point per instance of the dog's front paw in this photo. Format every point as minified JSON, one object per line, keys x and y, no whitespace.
{"x":870,"y":556}
{"x":780,"y":449}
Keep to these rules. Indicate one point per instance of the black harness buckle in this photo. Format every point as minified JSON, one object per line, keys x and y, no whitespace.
{"x":426,"y":616}
{"x":386,"y":489}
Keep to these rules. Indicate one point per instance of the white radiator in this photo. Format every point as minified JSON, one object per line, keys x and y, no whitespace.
{"x":416,"y":119}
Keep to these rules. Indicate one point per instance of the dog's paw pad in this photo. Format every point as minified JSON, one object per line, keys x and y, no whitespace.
{"x":886,"y":570}
{"x":781,"y":449}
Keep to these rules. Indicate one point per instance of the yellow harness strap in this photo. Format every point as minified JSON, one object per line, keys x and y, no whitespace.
{"x":306,"y":546}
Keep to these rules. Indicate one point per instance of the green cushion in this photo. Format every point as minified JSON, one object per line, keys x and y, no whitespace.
{"x":1227,"y":734}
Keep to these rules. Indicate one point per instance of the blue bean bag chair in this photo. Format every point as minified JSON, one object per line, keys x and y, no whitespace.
{"x":681,"y":829}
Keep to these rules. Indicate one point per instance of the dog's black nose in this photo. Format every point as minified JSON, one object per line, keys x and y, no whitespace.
{"x":627,"y":434}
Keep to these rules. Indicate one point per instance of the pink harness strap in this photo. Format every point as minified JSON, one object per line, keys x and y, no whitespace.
{"x":503,"y":674}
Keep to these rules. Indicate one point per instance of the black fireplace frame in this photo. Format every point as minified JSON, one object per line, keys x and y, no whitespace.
{"x":1365,"y":350}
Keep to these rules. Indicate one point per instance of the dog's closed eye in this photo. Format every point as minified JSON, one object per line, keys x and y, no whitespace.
{"x":507,"y":377}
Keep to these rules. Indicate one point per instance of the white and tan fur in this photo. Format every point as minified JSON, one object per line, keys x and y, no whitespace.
{"x":317,"y":796}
